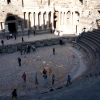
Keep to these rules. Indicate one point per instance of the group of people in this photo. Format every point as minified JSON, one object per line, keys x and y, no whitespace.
{"x":14,"y":92}
{"x":9,"y":36}
{"x":27,"y":49}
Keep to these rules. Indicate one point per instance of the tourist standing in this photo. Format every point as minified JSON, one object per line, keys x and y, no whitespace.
{"x":15,"y":36}
{"x":53,"y":79}
{"x":14,"y":94}
{"x":45,"y":79}
{"x":34,"y":32}
{"x":53,"y":51}
{"x":68,"y":80}
{"x":24,"y":77}
{"x":22,"y":39}
{"x":2,"y":42}
{"x":35,"y":77}
{"x":19,"y":61}
{"x":33,"y":48}
{"x":10,"y":35}
{"x":21,"y":51}
{"x":44,"y":71}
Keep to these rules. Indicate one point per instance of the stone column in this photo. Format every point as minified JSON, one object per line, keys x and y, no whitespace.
{"x":6,"y":29}
{"x":32,"y":16}
{"x":52,"y":20}
{"x":62,"y":19}
{"x":36,"y":20}
{"x":27,"y":18}
{"x":3,"y":26}
{"x":0,"y":26}
{"x":71,"y":19}
{"x":59,"y":21}
{"x":65,"y":19}
{"x":42,"y":24}
{"x":47,"y":20}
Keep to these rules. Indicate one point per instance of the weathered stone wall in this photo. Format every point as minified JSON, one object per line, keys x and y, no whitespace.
{"x":40,"y":43}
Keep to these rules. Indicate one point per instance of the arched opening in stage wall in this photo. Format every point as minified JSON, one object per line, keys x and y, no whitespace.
{"x":11,"y":22}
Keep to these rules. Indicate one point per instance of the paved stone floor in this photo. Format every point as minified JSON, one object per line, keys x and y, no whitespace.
{"x":31,"y":38}
{"x":61,"y":64}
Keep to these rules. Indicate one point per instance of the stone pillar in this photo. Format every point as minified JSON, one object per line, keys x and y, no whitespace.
{"x":62,"y":19}
{"x":71,"y":19}
{"x":27,"y":18}
{"x":52,"y":20}
{"x":3,"y":26}
{"x":65,"y":19}
{"x":59,"y":21}
{"x":47,"y":20}
{"x":36,"y":20}
{"x":32,"y":24}
{"x":0,"y":26}
{"x":6,"y":29}
{"x":42,"y":18}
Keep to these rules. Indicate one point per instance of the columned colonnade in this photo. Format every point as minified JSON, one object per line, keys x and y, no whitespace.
{"x":39,"y":20}
{"x":66,"y":18}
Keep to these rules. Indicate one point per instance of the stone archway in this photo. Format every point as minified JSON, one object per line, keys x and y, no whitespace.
{"x":11,"y":22}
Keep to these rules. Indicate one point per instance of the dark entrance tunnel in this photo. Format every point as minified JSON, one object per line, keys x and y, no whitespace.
{"x":11,"y":24}
{"x":12,"y":27}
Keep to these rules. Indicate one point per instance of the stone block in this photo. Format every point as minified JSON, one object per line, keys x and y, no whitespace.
{"x":19,"y":46}
{"x":38,"y":44}
{"x":4,"y":51}
{"x":10,"y":50}
{"x":14,"y":48}
{"x":49,"y":43}
{"x":45,"y":43}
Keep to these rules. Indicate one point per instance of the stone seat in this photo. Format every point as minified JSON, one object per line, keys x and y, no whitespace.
{"x":93,"y":36}
{"x":85,"y":51}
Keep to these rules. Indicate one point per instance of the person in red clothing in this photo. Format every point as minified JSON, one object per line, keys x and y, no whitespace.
{"x":24,"y":77}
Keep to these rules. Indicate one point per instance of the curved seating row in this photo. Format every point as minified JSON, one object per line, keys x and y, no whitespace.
{"x":90,"y":42}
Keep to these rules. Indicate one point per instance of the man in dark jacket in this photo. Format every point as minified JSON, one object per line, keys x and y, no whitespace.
{"x":19,"y":61}
{"x":14,"y":94}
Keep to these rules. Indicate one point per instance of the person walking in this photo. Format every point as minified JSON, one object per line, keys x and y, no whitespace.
{"x":53,"y":79}
{"x":68,"y":80}
{"x":2,"y":42}
{"x":53,"y":51}
{"x":45,"y":79}
{"x":14,"y":94}
{"x":24,"y":77}
{"x":28,"y":49}
{"x":33,"y":48}
{"x":21,"y":51}
{"x":22,"y":39}
{"x":44,"y":71}
{"x":34,"y":32}
{"x":35,"y":77}
{"x":19,"y":61}
{"x":15,"y":36}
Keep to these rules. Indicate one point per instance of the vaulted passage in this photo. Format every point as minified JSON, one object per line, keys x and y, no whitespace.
{"x":11,"y":21}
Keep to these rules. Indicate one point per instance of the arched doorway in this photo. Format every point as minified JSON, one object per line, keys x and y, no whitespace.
{"x":11,"y":21}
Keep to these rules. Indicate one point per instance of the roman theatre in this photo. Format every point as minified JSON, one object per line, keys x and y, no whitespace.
{"x":44,"y":24}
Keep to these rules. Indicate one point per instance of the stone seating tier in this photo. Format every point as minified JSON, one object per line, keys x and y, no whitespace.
{"x":93,"y":57}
